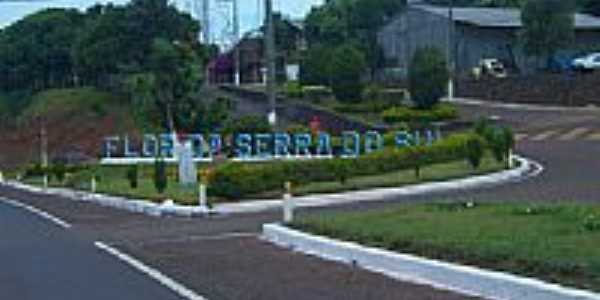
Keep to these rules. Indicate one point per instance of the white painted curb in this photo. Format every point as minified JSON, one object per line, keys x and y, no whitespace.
{"x":525,"y":170}
{"x":462,"y":279}
{"x":522,"y":106}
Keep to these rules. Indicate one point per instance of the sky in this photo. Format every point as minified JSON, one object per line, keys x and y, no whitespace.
{"x":11,"y":11}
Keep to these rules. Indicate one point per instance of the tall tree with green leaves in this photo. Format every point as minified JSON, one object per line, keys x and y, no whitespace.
{"x":548,"y":26}
{"x":35,"y":52}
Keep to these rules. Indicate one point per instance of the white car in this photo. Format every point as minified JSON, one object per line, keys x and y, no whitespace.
{"x":588,"y":62}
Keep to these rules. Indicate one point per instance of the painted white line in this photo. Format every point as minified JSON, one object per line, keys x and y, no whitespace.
{"x":573,"y":134}
{"x":462,"y":279}
{"x":153,"y":273}
{"x":543,"y":136}
{"x":594,"y":137}
{"x":38,"y":212}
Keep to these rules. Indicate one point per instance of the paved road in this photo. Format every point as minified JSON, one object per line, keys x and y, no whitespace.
{"x":223,"y":258}
{"x":39,"y":260}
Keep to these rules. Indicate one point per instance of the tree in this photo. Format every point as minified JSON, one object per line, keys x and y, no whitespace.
{"x":35,"y":52}
{"x":347,"y":67}
{"x":548,"y":26}
{"x":357,"y":21}
{"x":315,"y":68}
{"x":428,"y":77}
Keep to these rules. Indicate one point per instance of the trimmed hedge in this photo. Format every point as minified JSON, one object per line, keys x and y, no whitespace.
{"x":440,"y":112}
{"x":235,"y":180}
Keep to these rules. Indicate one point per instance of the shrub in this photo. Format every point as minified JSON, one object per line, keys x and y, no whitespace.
{"x":389,"y":97}
{"x":347,"y":67}
{"x":132,"y":176}
{"x":160,"y":175}
{"x":317,"y":93}
{"x":59,"y":171}
{"x":234,"y":180}
{"x":439,"y":112}
{"x":248,"y":124}
{"x":475,"y":149}
{"x":428,"y":77}
{"x":293,"y":89}
{"x":500,"y":139}
{"x":363,"y":107}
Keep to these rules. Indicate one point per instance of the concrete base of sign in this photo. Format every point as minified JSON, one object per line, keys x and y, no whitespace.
{"x":526,"y":169}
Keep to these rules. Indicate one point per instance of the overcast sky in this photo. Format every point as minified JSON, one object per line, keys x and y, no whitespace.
{"x":11,"y":11}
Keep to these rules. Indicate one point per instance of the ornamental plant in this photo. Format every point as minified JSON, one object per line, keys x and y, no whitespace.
{"x":160,"y":175}
{"x":474,"y":149}
{"x":428,"y":77}
{"x":132,"y":176}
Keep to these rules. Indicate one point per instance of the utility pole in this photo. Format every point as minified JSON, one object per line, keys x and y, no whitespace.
{"x":270,"y":60}
{"x":450,"y":51}
{"x":206,"y":21}
{"x":236,"y":33}
{"x":44,"y":149}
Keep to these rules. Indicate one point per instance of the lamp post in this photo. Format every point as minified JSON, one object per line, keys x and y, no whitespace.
{"x":450,"y":51}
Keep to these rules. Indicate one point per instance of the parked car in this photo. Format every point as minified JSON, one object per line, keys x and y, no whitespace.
{"x":492,"y":67}
{"x":561,"y":63}
{"x":588,"y":62}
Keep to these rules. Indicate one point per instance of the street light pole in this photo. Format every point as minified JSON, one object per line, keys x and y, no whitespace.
{"x":270,"y":61}
{"x":450,"y":51}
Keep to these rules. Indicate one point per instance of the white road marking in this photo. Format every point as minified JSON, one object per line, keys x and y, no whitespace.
{"x":155,"y":274}
{"x":520,"y":136}
{"x":38,"y":212}
{"x":573,"y":134}
{"x":594,"y":137}
{"x":543,"y":136}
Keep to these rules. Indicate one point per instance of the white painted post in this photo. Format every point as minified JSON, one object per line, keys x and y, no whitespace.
{"x":45,"y":181}
{"x":202,"y":196}
{"x":93,"y":184}
{"x":288,"y":204}
{"x":511,"y":162}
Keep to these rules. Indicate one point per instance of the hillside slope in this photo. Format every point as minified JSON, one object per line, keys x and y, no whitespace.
{"x":76,"y":121}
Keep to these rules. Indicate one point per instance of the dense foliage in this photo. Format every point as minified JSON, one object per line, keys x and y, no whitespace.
{"x":428,"y":77}
{"x":437,"y":113}
{"x":236,"y":180}
{"x":342,"y":22}
{"x":146,"y":49}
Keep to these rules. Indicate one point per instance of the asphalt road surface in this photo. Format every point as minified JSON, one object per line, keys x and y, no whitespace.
{"x":39,"y":260}
{"x":224,"y":257}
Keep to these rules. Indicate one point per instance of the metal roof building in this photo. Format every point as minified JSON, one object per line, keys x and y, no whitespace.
{"x":479,"y":33}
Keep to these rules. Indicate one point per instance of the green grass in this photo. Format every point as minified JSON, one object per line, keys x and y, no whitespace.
{"x":113,"y":181}
{"x":86,"y":99}
{"x":559,"y":243}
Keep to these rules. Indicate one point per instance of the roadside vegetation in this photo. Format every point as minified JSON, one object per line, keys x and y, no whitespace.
{"x":555,"y":242}
{"x":481,"y":151}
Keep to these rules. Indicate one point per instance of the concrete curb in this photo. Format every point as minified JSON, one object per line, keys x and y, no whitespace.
{"x":152,"y":209}
{"x":520,"y":106}
{"x":526,"y":169}
{"x":462,"y":279}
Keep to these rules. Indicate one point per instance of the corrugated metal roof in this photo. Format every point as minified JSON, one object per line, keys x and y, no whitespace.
{"x":499,"y":17}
